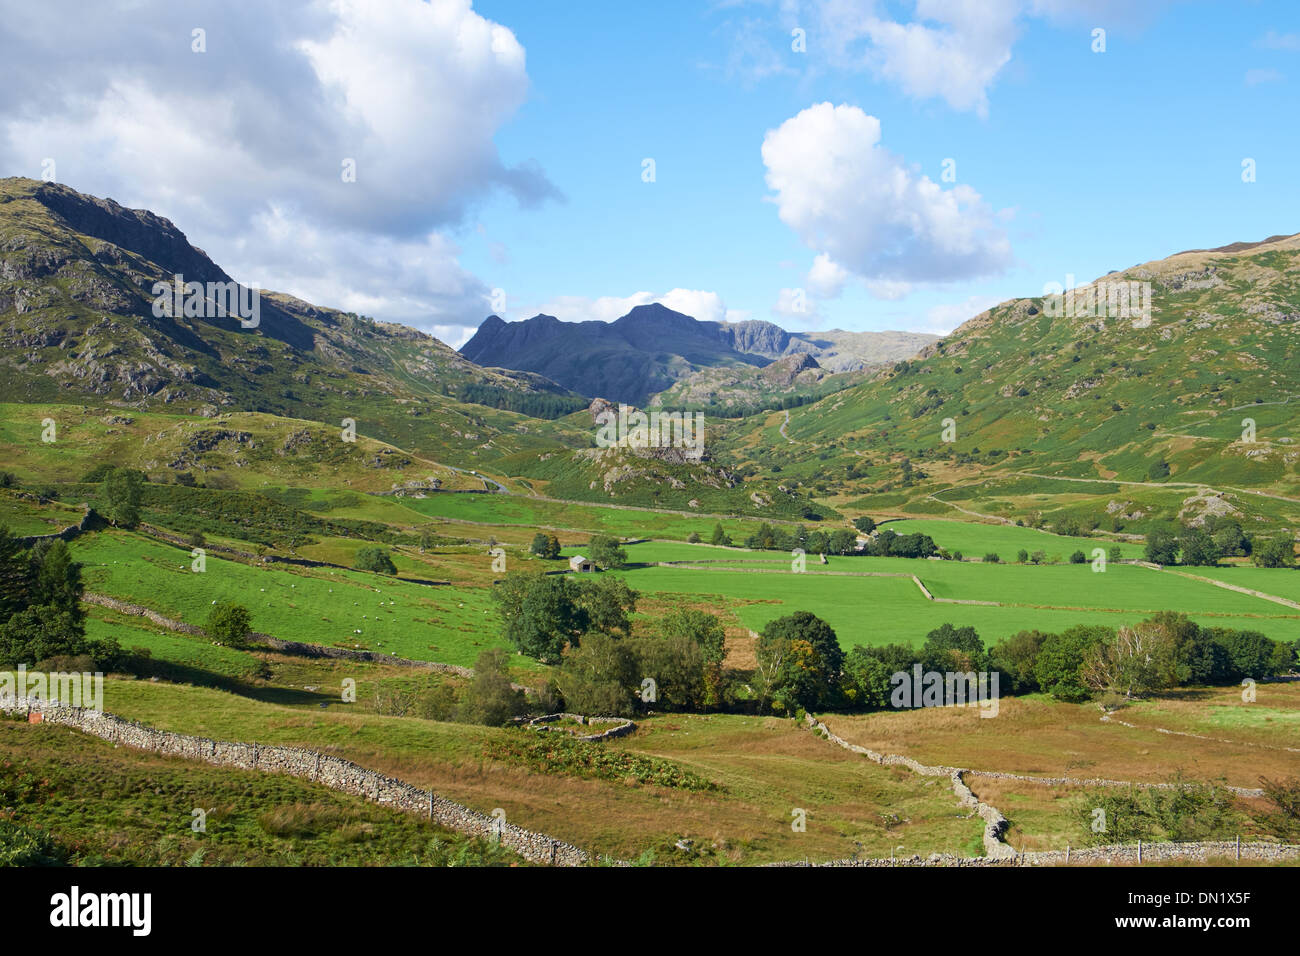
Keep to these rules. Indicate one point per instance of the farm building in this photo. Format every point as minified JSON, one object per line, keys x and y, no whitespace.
{"x":581,"y":565}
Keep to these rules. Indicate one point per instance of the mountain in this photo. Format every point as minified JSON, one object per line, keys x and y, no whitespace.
{"x":653,"y":348}
{"x":1192,"y":403}
{"x":78,"y":324}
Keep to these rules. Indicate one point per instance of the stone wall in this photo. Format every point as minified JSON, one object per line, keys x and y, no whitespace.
{"x":333,"y":772}
{"x":997,"y":851}
{"x":622,"y":726}
{"x":67,"y":534}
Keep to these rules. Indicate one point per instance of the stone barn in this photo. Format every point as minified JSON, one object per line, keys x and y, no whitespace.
{"x":580,"y":565}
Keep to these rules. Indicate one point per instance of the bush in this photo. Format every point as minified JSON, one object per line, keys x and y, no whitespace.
{"x":374,"y":559}
{"x":229,"y":623}
{"x":489,"y":699}
{"x":1078,"y":557}
{"x":1022,"y":556}
{"x":992,"y":558}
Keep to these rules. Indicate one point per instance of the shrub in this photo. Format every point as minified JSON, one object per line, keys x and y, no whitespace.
{"x":374,"y":559}
{"x":229,"y":623}
{"x":1078,"y":557}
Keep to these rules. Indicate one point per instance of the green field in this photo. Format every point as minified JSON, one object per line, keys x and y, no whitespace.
{"x":879,"y":610}
{"x":534,"y":513}
{"x":321,"y":606}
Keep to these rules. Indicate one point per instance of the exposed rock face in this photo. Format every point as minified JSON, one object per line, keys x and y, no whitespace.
{"x":652,"y":348}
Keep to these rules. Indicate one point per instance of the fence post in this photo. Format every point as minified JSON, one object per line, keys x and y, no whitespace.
{"x":1067,"y":853}
{"x":1139,"y":851}
{"x":1238,"y":847}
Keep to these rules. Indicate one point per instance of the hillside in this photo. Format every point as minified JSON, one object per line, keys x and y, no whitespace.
{"x":1079,"y":396}
{"x":653,"y":348}
{"x":77,"y":323}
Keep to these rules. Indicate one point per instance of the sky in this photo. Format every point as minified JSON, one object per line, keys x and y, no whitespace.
{"x":853,"y":164}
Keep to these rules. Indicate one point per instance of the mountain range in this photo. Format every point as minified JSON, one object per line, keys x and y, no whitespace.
{"x":653,"y":348}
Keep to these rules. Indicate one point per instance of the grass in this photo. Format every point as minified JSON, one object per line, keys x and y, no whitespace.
{"x":322,"y":606}
{"x":881,"y":610}
{"x":764,"y":768}
{"x":1038,"y":736}
{"x":102,"y":804}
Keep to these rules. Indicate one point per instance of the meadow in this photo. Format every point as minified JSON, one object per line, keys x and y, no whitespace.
{"x":323,"y":606}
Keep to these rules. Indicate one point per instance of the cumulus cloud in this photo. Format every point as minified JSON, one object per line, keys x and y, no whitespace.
{"x":860,"y":207}
{"x":950,"y":50}
{"x":826,"y":278}
{"x":254,"y":132}
{"x":942,"y":319}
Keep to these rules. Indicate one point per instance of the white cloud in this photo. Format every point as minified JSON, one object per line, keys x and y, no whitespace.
{"x":1256,"y":77}
{"x":942,"y":319}
{"x":254,"y":133}
{"x":826,"y":278}
{"x":952,"y":50}
{"x":851,"y":200}
{"x":1273,"y":40}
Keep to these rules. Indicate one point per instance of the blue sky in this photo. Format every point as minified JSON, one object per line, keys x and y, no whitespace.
{"x":499,"y":145}
{"x":1106,"y":159}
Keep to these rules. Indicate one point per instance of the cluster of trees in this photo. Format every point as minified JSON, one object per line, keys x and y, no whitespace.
{"x":1218,"y":537}
{"x":584,"y":626}
{"x":1166,"y":650}
{"x":886,"y":543}
{"x":40,"y":606}
{"x":767,"y":538}
{"x":800,"y":664}
{"x":533,"y":404}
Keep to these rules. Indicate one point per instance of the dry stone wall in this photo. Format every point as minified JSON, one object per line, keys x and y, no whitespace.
{"x":998,"y":852}
{"x":333,"y":772}
{"x":622,"y":726}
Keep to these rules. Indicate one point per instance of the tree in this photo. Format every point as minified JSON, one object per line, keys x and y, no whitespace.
{"x":607,"y":553}
{"x":1161,"y":547}
{"x":676,"y":664}
{"x":55,"y":578}
{"x":1198,"y":548}
{"x":707,"y":632}
{"x":229,"y":623}
{"x":1057,"y":667}
{"x":864,"y":524}
{"x":489,"y":698}
{"x":949,"y":648}
{"x":720,"y":537}
{"x":597,"y":675}
{"x":540,"y":613}
{"x":992,"y":557}
{"x":608,"y":605}
{"x":1273,"y":553}
{"x":374,"y":559}
{"x":1078,"y":557}
{"x":121,"y":491}
{"x":15,"y":575}
{"x":1022,"y":556}
{"x":1133,"y":661}
{"x":545,"y":546}
{"x":43,"y":631}
{"x":1016,"y":656}
{"x":799,"y":661}
{"x":866,"y":679}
